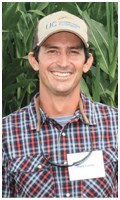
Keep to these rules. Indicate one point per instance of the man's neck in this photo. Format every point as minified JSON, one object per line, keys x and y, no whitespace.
{"x":55,"y":106}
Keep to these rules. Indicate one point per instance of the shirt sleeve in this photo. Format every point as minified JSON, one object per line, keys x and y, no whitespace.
{"x":8,"y":186}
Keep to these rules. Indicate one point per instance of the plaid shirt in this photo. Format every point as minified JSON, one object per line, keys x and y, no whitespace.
{"x":27,"y":174}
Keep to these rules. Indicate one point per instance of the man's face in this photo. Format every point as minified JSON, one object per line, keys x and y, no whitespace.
{"x":61,"y":63}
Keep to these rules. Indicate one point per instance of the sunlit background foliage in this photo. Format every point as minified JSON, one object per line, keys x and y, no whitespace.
{"x":20,"y":82}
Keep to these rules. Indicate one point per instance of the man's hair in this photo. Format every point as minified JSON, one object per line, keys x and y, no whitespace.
{"x":36,"y":52}
{"x":37,"y":49}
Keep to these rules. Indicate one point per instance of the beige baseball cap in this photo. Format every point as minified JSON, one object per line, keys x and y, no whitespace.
{"x":60,"y":21}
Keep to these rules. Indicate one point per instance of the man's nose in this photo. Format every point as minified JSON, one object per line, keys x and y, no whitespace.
{"x":63,"y":59}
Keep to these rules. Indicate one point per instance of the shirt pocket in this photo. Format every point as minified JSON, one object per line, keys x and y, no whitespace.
{"x":105,"y":186}
{"x":32,"y":176}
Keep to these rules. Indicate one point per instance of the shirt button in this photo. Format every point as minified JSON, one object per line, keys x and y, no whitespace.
{"x":39,"y":166}
{"x":63,"y":134}
{"x":67,"y":194}
{"x":65,"y":163}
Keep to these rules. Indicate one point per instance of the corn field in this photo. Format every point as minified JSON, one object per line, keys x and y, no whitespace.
{"x":19,"y":20}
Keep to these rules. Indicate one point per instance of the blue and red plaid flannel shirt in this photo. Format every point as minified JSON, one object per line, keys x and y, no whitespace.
{"x":27,"y":174}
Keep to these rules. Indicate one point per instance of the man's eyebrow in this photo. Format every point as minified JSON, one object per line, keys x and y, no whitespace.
{"x":76,"y":47}
{"x":50,"y":46}
{"x":57,"y":47}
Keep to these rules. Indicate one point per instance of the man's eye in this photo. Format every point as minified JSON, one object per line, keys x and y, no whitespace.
{"x":74,"y":52}
{"x":52,"y":51}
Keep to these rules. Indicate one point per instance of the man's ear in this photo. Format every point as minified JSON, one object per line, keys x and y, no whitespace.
{"x":33,"y":62}
{"x":88,"y":64}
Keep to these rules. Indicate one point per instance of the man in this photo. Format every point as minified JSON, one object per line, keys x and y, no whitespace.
{"x":62,"y":144}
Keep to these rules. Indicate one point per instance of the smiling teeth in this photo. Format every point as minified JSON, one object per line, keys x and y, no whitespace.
{"x":61,"y":74}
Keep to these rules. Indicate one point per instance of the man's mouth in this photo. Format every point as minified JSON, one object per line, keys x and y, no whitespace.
{"x":61,"y":74}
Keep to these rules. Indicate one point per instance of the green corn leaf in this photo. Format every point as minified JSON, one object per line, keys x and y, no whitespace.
{"x":41,"y":5}
{"x":37,"y":12}
{"x":84,"y":87}
{"x":113,"y":65}
{"x":96,"y":90}
{"x":13,"y":87}
{"x":99,"y":40}
{"x":10,"y":16}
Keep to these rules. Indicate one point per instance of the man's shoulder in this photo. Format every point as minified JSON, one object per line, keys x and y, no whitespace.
{"x":100,"y":109}
{"x":20,"y":119}
{"x":105,"y":113}
{"x":99,"y":106}
{"x":16,"y":116}
{"x":103,"y":108}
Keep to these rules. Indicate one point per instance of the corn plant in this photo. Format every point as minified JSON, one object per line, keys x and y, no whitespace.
{"x":19,"y":20}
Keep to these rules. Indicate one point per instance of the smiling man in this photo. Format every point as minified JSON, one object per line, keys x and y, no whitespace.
{"x":62,"y":144}
{"x":61,"y":63}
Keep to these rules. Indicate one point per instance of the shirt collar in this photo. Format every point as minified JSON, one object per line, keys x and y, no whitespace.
{"x":88,"y":107}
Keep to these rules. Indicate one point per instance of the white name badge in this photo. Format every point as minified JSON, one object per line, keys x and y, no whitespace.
{"x":92,"y":167}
